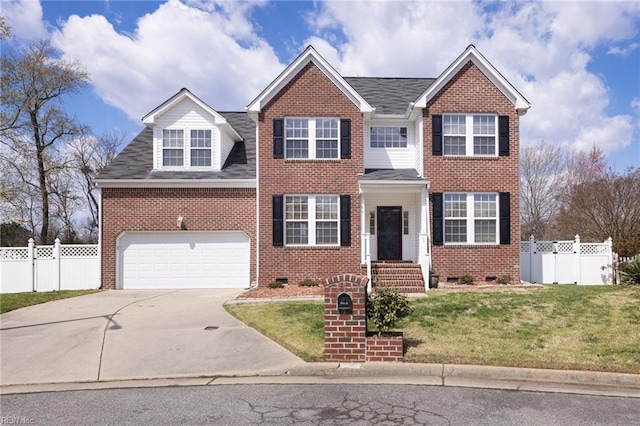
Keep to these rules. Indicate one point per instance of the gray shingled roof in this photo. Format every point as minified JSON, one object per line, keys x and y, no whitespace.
{"x":390,"y":174}
{"x":387,"y":95}
{"x":136,"y":159}
{"x":390,"y":95}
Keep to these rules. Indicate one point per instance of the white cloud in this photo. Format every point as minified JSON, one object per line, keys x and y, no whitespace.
{"x":211,"y":51}
{"x":24,"y":18}
{"x":543,"y":49}
{"x":623,"y":51}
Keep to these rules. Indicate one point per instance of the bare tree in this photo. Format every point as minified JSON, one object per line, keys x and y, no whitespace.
{"x":543,"y":178}
{"x":608,"y":206}
{"x":90,"y":155}
{"x":5,"y":31}
{"x":34,"y":84}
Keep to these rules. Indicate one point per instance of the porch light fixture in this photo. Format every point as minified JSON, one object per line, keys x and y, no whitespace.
{"x":180,"y":222}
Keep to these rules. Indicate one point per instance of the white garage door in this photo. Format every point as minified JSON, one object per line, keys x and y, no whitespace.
{"x":153,"y":260}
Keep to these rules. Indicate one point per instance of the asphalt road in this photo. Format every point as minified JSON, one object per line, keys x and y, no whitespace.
{"x":316,"y":404}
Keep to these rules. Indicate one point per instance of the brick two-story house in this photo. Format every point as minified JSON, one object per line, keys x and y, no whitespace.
{"x":321,"y":175}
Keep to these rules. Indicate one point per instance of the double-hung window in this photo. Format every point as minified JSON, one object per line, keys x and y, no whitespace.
{"x":311,"y":220}
{"x":388,"y":137}
{"x":311,"y":138}
{"x":200,"y":148}
{"x":470,"y":134}
{"x":470,"y":218}
{"x":172,"y":147}
{"x":186,"y":148}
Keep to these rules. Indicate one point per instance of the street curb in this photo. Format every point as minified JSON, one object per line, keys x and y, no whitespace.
{"x":472,"y":376}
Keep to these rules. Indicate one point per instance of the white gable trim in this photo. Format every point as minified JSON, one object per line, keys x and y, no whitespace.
{"x":176,"y":183}
{"x":309,"y":55}
{"x":472,"y":54}
{"x":219,"y":120}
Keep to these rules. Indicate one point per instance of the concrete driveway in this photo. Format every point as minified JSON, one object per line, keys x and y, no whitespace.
{"x":130,"y":334}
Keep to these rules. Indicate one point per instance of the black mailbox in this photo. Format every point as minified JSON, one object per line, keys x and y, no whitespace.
{"x":345,"y":304}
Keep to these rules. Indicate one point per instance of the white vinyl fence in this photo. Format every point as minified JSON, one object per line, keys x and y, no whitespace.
{"x":48,"y":268}
{"x":566,"y":262}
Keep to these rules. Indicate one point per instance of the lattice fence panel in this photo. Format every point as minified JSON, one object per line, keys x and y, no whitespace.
{"x":565,"y":247}
{"x":544,"y":247}
{"x":79,"y":251}
{"x":14,"y":253}
{"x":594,"y":249}
{"x":44,"y":251}
{"x":524,"y":246}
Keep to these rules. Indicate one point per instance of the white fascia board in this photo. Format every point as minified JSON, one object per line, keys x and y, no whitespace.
{"x":395,"y":186}
{"x":176,"y":183}
{"x":473,"y":55}
{"x":309,"y":55}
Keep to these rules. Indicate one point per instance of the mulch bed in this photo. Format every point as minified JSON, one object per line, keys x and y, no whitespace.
{"x":285,"y":292}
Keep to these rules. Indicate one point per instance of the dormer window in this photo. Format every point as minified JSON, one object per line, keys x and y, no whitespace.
{"x":196,"y":148}
{"x":172,"y":148}
{"x":200,"y":148}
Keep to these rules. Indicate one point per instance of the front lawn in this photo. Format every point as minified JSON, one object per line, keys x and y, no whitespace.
{"x":561,"y":327}
{"x":11,"y":301}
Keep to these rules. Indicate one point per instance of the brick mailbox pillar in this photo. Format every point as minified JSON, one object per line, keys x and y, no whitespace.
{"x":345,"y":324}
{"x":345,"y":318}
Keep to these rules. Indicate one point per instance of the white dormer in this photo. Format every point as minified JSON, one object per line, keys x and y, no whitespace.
{"x":189,"y":135}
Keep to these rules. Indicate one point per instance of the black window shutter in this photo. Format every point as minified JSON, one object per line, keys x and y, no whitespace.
{"x":436,"y":133}
{"x":345,"y":138}
{"x":345,"y":220}
{"x":278,"y":138}
{"x":438,"y":221}
{"x":503,"y":135}
{"x":505,"y":218}
{"x":278,"y":221}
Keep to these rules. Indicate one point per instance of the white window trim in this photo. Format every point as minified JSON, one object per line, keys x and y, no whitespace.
{"x":186,"y":147}
{"x":469,"y":135}
{"x":311,"y":121}
{"x":311,"y":219}
{"x":470,"y":219}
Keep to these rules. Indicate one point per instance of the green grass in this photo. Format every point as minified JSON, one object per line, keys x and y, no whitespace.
{"x":297,"y":326}
{"x":561,"y":327}
{"x":12,"y":301}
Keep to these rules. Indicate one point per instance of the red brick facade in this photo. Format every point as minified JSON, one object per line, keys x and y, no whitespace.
{"x":309,"y":94}
{"x":156,"y":209}
{"x":470,"y":91}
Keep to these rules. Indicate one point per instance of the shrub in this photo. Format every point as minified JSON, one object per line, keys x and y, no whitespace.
{"x":630,"y":271}
{"x":466,"y":279}
{"x":275,"y":284}
{"x":503,"y":279}
{"x":308,"y":282}
{"x":385,"y":307}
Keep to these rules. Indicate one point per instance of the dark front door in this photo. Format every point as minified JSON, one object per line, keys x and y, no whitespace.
{"x":389,"y":233}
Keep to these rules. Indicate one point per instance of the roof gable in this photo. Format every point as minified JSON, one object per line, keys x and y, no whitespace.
{"x":309,"y":55}
{"x":473,"y":55}
{"x":184,"y":94}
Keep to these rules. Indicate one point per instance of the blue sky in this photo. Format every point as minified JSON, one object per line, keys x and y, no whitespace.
{"x":577,"y":63}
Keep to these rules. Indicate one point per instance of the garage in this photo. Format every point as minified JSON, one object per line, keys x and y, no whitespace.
{"x":178,"y":260}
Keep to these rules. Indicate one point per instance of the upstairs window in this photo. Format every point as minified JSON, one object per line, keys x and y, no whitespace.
{"x":173,"y":148}
{"x":470,"y":134}
{"x":312,"y":138}
{"x":388,"y":137}
{"x":188,"y":148}
{"x":200,"y":148}
{"x":470,"y":218}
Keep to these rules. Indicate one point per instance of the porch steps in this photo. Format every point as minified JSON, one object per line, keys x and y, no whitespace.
{"x":406,"y":277}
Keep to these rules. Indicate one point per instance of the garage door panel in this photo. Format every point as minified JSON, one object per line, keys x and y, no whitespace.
{"x":185,"y":260}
